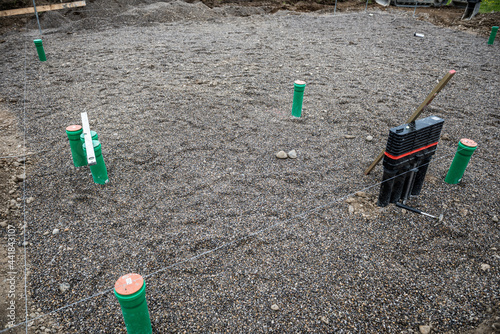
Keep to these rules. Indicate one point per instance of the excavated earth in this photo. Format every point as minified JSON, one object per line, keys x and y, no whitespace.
{"x":191,"y":102}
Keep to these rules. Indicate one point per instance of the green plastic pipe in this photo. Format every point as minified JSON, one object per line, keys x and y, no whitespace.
{"x":298,"y":96}
{"x":74,"y":132}
{"x":93,"y":135}
{"x":466,"y":148}
{"x":130,"y":290}
{"x":39,"y":49}
{"x":99,"y":172}
{"x":492,"y":35}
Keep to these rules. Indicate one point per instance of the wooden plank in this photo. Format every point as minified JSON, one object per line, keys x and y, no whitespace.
{"x":417,"y":112}
{"x":44,"y":8}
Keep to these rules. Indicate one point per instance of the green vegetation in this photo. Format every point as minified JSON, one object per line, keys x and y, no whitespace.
{"x":488,"y":6}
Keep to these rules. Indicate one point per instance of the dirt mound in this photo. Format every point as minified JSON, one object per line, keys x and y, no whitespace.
{"x":100,"y":14}
{"x":50,"y":20}
{"x":162,"y":12}
{"x":451,"y":17}
{"x":363,"y":204}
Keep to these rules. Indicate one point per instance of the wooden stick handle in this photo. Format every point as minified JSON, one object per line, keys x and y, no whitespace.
{"x":432,"y":95}
{"x":417,"y":112}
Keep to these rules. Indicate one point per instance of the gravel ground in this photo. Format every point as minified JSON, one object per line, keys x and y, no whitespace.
{"x":191,"y":110}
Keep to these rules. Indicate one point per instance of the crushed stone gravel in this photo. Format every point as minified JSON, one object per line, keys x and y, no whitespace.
{"x":190,"y":113}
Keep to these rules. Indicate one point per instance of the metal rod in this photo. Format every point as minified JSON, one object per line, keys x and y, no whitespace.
{"x":89,"y":146}
{"x":415,"y":210}
{"x":37,"y":20}
{"x":409,"y":185}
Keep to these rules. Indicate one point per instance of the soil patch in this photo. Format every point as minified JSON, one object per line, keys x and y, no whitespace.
{"x":444,"y":16}
{"x":191,"y":102}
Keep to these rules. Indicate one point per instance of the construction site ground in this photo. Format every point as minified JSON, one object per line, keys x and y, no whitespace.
{"x":191,"y":102}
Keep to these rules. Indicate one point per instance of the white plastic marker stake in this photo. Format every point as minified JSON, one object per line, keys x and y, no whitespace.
{"x":89,"y":147}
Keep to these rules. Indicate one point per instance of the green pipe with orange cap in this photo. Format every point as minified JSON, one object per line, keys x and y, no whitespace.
{"x":74,"y":132}
{"x":130,"y":290}
{"x":466,"y":148}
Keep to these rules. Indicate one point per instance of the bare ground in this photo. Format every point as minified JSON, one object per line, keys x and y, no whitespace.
{"x":248,"y":149}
